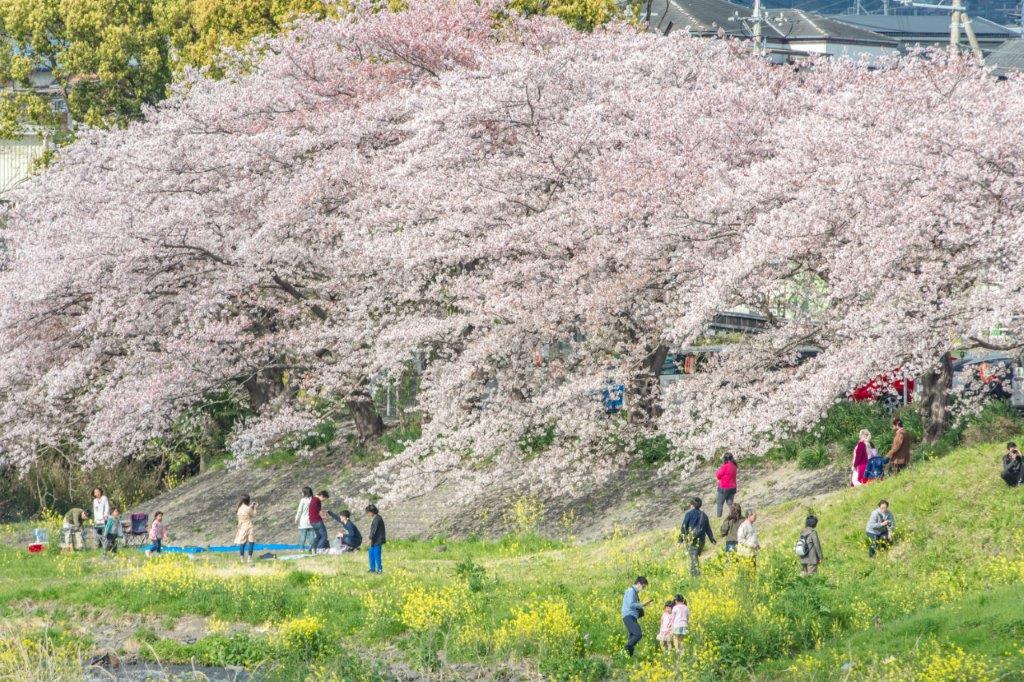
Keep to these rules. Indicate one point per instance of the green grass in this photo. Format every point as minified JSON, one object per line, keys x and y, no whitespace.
{"x":944,"y":603}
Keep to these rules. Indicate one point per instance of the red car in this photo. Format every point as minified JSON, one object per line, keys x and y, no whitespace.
{"x":890,"y":388}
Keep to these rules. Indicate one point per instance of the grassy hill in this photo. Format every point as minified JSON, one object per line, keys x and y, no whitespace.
{"x":945,"y":603}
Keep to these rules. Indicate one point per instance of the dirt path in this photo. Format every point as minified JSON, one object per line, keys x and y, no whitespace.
{"x":201,"y":512}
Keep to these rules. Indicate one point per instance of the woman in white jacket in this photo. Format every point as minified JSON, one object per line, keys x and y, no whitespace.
{"x":100,"y":512}
{"x":306,"y":534}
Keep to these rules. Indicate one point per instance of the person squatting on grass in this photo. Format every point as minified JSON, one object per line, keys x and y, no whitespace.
{"x":350,"y":539}
{"x":632,"y":611}
{"x":680,"y":622}
{"x":112,"y":530}
{"x":245,"y":535}
{"x":875,"y":470}
{"x":726,"y":476}
{"x":100,"y":512}
{"x":879,"y":528}
{"x":306,"y":534}
{"x":157,"y":534}
{"x":378,"y":536}
{"x":730,"y":527}
{"x":808,"y":547}
{"x":695,"y":528}
{"x":665,"y":627}
{"x":74,"y":522}
{"x":316,"y":522}
{"x":1013,"y":466}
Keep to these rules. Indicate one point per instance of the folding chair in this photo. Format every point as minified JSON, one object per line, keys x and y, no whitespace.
{"x":136,"y":534}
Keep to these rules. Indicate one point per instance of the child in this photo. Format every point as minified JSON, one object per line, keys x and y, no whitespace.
{"x":157,"y":534}
{"x":665,"y":633}
{"x":680,"y":622}
{"x":112,"y":531}
{"x":875,"y":469}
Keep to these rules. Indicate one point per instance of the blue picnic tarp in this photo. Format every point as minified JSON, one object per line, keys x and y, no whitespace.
{"x":170,"y":549}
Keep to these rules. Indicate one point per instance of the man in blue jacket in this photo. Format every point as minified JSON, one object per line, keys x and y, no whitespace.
{"x":632,"y":610}
{"x":350,"y":536}
{"x":696,"y":526}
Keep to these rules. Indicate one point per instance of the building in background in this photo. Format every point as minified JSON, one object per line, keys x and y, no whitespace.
{"x":927,"y":30}
{"x":19,"y":153}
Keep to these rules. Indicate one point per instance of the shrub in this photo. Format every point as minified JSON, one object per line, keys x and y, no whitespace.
{"x":813,"y":457}
{"x":302,"y":638}
{"x":472,"y":573}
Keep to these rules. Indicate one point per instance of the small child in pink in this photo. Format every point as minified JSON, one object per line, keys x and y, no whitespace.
{"x":680,"y":622}
{"x":665,"y":632}
{"x":157,"y":534}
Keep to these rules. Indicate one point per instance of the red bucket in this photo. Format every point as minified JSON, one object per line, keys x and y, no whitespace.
{"x":36,"y":548}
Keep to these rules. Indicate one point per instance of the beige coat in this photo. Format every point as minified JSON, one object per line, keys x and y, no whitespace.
{"x":246,"y":529}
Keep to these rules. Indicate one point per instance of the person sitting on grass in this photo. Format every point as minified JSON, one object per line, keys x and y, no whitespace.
{"x":350,"y":538}
{"x":157,"y":534}
{"x":665,"y":627}
{"x":875,"y":470}
{"x":680,"y":622}
{"x":1013,"y":466}
{"x":112,"y":530}
{"x":879,"y":528}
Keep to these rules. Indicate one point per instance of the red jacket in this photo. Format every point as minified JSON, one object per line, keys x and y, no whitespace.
{"x":726,"y":475}
{"x":314,"y":509}
{"x":860,"y":454}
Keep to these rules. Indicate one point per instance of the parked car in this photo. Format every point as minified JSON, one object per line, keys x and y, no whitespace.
{"x":891,"y":388}
{"x":991,"y":376}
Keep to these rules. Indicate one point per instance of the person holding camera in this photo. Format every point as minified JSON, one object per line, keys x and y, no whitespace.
{"x":880,"y":526}
{"x":632,"y":611}
{"x":245,"y":535}
{"x":1013,"y":465}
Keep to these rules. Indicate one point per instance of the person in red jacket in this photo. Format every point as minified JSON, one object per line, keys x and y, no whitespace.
{"x":726,"y":476}
{"x":860,"y":458}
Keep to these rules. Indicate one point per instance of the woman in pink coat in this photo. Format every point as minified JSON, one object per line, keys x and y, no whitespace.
{"x":860,"y":458}
{"x":726,"y":476}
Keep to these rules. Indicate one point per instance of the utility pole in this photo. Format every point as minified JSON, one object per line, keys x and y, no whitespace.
{"x":755,"y":17}
{"x":958,"y":19}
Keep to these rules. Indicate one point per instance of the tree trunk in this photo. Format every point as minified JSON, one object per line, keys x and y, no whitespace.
{"x":934,"y":392}
{"x":645,"y":387}
{"x":364,"y":413}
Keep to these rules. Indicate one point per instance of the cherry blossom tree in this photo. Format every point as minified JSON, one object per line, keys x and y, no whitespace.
{"x":541,"y":215}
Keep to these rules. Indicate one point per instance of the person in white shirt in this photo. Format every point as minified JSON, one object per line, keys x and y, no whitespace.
{"x":306,"y":534}
{"x":100,"y":512}
{"x":746,"y":536}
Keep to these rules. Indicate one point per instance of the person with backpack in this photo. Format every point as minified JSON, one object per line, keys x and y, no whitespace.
{"x":808,"y":547}
{"x":726,"y":476}
{"x":730,"y":527}
{"x":632,"y":611}
{"x":696,"y":527}
{"x":880,"y":525}
{"x":1013,"y":465}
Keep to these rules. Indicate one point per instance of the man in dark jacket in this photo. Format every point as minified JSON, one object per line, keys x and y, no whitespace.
{"x":377,"y":538}
{"x":350,"y":536}
{"x":695,"y":528}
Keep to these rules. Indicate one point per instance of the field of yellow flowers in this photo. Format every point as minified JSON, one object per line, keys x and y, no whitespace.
{"x":945,"y":603}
